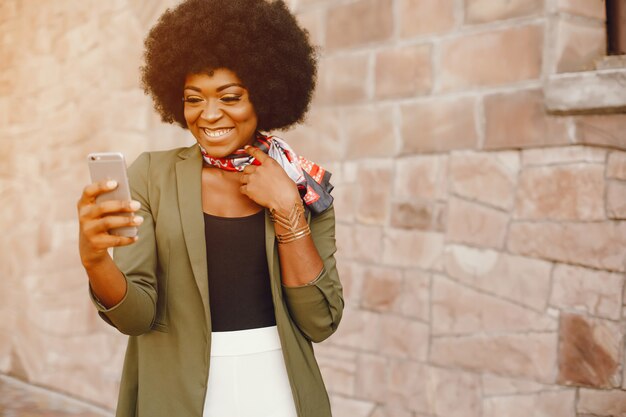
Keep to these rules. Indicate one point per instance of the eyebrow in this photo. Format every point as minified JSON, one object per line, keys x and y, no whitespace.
{"x":220,"y":88}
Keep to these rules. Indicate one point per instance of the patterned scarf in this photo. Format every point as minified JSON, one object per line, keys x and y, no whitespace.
{"x":311,"y":179}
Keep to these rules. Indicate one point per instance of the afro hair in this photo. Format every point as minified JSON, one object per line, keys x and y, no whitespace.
{"x":259,"y":40}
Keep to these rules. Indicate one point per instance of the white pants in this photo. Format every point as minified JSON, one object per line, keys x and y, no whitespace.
{"x":247,"y":376}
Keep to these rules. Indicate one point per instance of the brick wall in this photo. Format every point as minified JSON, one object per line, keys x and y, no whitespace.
{"x":481,"y":240}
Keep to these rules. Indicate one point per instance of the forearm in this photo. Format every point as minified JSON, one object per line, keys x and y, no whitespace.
{"x":300,"y":263}
{"x":107,"y":282}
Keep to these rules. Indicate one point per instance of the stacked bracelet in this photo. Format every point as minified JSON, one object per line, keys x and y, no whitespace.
{"x":290,"y":223}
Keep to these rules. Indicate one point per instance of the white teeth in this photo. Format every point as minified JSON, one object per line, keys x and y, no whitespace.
{"x":216,"y":133}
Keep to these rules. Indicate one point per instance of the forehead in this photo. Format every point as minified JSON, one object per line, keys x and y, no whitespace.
{"x":217,"y":78}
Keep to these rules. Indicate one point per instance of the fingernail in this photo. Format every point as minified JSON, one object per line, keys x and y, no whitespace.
{"x":137,"y":220}
{"x":247,"y":146}
{"x":135,"y":205}
{"x":111,"y":184}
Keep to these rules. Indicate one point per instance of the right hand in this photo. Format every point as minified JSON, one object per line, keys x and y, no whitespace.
{"x":96,"y":219}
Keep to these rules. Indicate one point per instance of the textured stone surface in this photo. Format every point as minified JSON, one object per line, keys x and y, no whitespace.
{"x":370,"y":132}
{"x":382,"y":289}
{"x":590,"y":352}
{"x":594,"y":9}
{"x":419,"y":17}
{"x":616,"y":200}
{"x":480,"y":11}
{"x":413,"y":248}
{"x":578,"y":45}
{"x":457,"y":309}
{"x":601,"y":129}
{"x":523,"y":280}
{"x":528,"y":355}
{"x":404,"y":72}
{"x":487,"y":177}
{"x":475,"y":224}
{"x":360,"y":22}
{"x":544,"y":404}
{"x":596,"y":292}
{"x":604,"y":403}
{"x":421,"y":177}
{"x":404,"y":338}
{"x":494,"y":385}
{"x":602,"y":247}
{"x":563,"y":155}
{"x":514,"y":55}
{"x":439,"y":125}
{"x":374,"y":193}
{"x":616,"y":165}
{"x":518,"y":120}
{"x":342,"y":79}
{"x":568,"y":192}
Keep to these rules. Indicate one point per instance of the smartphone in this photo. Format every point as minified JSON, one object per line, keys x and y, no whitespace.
{"x":105,"y":166}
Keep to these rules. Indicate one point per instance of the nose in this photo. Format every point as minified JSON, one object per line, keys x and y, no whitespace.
{"x":212,"y":111}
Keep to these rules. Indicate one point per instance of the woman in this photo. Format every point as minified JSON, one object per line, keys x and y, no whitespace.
{"x":233,"y":274}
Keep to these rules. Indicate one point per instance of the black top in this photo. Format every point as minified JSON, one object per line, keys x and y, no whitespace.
{"x":239,"y":284}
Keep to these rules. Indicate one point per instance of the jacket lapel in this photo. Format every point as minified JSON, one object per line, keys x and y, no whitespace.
{"x":189,"y":185}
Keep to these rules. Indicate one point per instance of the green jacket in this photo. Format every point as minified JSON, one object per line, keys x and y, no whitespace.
{"x":166,"y":308}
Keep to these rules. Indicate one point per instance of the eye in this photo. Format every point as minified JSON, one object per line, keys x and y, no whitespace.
{"x":231,"y":98}
{"x":193,"y":100}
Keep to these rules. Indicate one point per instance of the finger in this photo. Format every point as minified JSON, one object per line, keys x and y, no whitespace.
{"x":93,"y":190}
{"x":104,"y":242}
{"x":244,"y":189}
{"x":105,"y":224}
{"x":249,"y":169}
{"x":92,"y":211}
{"x":245,"y":178}
{"x":258,"y":154}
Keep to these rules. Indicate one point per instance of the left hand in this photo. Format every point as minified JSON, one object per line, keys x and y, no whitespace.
{"x":268,"y":184}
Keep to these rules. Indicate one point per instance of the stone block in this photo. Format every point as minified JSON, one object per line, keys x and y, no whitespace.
{"x":494,"y":385}
{"x":482,"y":11}
{"x":563,"y":155}
{"x":523,"y":280}
{"x":343,"y":406}
{"x":344,"y":202}
{"x":367,"y":243}
{"x":590,"y":352}
{"x":413,"y":248}
{"x":391,"y":411}
{"x":616,"y":165}
{"x":374,"y":193}
{"x":439,"y":125}
{"x":372,"y":377}
{"x":595,"y":292}
{"x":594,"y":9}
{"x":314,"y":21}
{"x":525,"y":356}
{"x":370,"y":132}
{"x":422,"y":215}
{"x":318,"y":138}
{"x":616,"y":200}
{"x":342,"y":79}
{"x":543,"y":404}
{"x":487,"y":177}
{"x":602,"y":129}
{"x":421,"y":177}
{"x":408,"y":385}
{"x":404,"y":338}
{"x":416,"y":295}
{"x":565,"y":192}
{"x":475,"y":224}
{"x":339,"y":368}
{"x":457,"y":309}
{"x":359,"y":23}
{"x":359,"y":330}
{"x":454,"y":393}
{"x":578,"y":45}
{"x":586,"y":91}
{"x":404,"y":72}
{"x":603,"y":403}
{"x":518,"y":120}
{"x":507,"y":56}
{"x":382,"y":289}
{"x":594,"y":244}
{"x":420,"y":17}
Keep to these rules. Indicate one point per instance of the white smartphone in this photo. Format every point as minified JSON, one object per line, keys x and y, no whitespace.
{"x":105,"y":166}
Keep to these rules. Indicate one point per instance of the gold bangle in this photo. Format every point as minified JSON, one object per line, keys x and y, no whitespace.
{"x":290,"y":223}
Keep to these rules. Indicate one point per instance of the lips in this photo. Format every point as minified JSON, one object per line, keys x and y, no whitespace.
{"x":216,"y":133}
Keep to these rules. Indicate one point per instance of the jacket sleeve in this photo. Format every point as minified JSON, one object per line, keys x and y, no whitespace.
{"x":136,"y":312}
{"x":317,"y":307}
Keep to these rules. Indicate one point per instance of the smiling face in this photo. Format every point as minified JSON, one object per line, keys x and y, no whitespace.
{"x":218,"y":112}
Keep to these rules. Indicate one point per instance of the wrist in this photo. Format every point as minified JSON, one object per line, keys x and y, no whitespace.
{"x":285,"y":203}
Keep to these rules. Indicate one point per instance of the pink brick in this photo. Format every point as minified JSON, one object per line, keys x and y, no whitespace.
{"x":506,"y":56}
{"x":421,"y":177}
{"x":481,"y":11}
{"x":439,"y":125}
{"x":541,"y":404}
{"x":565,"y":192}
{"x":519,"y":120}
{"x":616,"y":165}
{"x":416,"y":295}
{"x":475,"y":224}
{"x":359,"y":330}
{"x":370,"y":132}
{"x":600,"y":402}
{"x":422,"y":215}
{"x":616,"y":200}
{"x":404,"y":338}
{"x":382,"y":289}
{"x":318,"y":138}
{"x":371,"y":378}
{"x":374,"y":193}
{"x":593,"y":244}
{"x":367,"y":243}
{"x":358,"y":23}
{"x":404,"y":72}
{"x":419,"y":17}
{"x":342,"y":80}
{"x":413,"y":248}
{"x":408,"y":382}
{"x":578,"y":45}
{"x":602,"y":129}
{"x":588,"y":8}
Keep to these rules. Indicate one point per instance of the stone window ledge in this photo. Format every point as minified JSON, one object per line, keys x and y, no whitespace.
{"x":599,"y":91}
